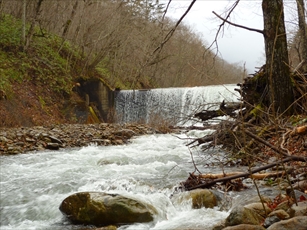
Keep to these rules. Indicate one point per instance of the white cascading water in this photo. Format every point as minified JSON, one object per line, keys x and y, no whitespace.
{"x":33,"y":185}
{"x":176,"y":105}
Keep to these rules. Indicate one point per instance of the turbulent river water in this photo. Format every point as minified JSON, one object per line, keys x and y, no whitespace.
{"x":33,"y":185}
{"x":149,"y":168}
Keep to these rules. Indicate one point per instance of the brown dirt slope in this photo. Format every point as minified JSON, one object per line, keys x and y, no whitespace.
{"x":30,"y":104}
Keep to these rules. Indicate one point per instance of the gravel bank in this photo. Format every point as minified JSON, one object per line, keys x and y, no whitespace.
{"x":25,"y":139}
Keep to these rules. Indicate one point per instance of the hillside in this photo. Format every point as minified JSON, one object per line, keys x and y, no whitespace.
{"x":39,"y":76}
{"x":36,"y":85}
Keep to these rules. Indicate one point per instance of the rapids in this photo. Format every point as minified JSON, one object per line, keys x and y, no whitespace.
{"x":33,"y":185}
{"x":149,"y":168}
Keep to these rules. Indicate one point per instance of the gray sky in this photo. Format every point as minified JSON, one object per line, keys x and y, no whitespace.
{"x":235,"y":45}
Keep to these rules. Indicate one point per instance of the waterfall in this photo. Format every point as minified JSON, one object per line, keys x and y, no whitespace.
{"x":173,"y":104}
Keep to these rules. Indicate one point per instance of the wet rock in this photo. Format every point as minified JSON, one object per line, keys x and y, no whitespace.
{"x":203,"y":198}
{"x":297,"y":223}
{"x":200,"y":198}
{"x":224,"y":202}
{"x":53,"y":146}
{"x":102,"y":209}
{"x":242,"y":215}
{"x":270,"y":220}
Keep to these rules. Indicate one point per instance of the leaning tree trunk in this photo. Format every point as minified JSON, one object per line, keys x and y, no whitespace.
{"x":277,"y":61}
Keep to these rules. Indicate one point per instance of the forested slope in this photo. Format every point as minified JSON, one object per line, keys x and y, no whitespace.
{"x":43,"y":57}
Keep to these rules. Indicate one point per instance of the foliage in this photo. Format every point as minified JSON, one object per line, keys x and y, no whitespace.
{"x":10,"y":29}
{"x":41,"y":63}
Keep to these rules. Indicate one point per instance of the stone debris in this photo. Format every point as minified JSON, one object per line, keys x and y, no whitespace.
{"x":38,"y":138}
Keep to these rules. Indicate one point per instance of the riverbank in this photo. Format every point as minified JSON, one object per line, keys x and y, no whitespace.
{"x":54,"y":137}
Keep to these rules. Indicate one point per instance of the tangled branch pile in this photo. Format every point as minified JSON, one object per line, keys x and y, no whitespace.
{"x":254,"y":134}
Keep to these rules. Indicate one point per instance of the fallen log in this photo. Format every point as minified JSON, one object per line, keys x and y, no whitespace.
{"x":210,"y":183}
{"x":257,"y":176}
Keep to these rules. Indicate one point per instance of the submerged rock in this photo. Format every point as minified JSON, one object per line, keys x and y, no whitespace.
{"x":203,"y":198}
{"x":102,"y":209}
{"x":200,"y":198}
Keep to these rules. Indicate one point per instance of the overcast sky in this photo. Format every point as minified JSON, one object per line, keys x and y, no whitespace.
{"x":235,"y":45}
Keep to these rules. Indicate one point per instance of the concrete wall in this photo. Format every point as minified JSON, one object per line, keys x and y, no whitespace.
{"x":99,"y":96}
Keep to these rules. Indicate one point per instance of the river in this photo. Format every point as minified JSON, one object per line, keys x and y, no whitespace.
{"x":33,"y":185}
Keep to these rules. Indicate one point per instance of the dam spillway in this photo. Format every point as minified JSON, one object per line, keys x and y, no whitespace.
{"x":175,"y":105}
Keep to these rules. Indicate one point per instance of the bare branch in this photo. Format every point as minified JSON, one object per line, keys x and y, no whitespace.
{"x":221,"y":26}
{"x":247,"y":174}
{"x":171,"y":32}
{"x":236,"y":25}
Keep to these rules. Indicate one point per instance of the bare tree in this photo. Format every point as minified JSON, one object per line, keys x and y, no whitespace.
{"x":277,"y":61}
{"x":33,"y":23}
{"x":277,"y":68}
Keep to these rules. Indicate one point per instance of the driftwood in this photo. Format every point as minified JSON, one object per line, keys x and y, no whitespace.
{"x":203,"y":181}
{"x":224,"y":109}
{"x":209,"y":183}
{"x":256,"y":176}
{"x":248,"y":134}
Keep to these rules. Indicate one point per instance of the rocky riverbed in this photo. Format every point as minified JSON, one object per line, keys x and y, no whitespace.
{"x":37,"y":138}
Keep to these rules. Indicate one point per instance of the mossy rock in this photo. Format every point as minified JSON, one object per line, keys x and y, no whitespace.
{"x":102,"y":209}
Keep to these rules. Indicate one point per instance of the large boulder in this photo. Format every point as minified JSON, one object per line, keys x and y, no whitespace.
{"x":102,"y":209}
{"x":297,"y":223}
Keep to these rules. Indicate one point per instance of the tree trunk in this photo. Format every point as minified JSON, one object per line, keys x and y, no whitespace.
{"x":277,"y":62}
{"x":23,"y":35}
{"x":302,"y":33}
{"x":70,"y":19}
{"x":31,"y":30}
